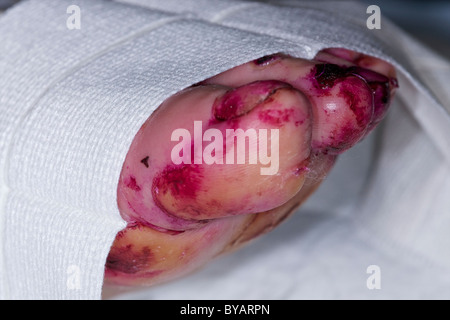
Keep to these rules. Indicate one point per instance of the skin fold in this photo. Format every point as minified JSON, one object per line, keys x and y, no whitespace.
{"x":183,"y":214}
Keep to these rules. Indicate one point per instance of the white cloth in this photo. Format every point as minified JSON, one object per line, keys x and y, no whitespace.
{"x":72,"y":100}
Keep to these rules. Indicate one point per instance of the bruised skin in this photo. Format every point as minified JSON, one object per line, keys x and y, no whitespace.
{"x":183,"y":213}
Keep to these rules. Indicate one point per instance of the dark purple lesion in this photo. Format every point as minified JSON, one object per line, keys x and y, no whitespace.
{"x":327,"y":74}
{"x":263,"y":61}
{"x":128,"y":259}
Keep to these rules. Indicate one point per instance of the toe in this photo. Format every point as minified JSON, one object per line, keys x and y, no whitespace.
{"x":249,"y":156}
{"x":228,"y":159}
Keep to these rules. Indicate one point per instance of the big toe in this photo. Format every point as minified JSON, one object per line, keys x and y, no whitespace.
{"x":216,"y":151}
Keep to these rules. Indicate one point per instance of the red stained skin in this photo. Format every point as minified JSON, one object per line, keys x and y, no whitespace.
{"x":181,"y":181}
{"x":277,"y":117}
{"x":327,"y":74}
{"x":238,"y":101}
{"x":339,"y":140}
{"x":132,"y":184}
{"x":325,"y":77}
{"x":353,"y":100}
{"x":380,"y":86}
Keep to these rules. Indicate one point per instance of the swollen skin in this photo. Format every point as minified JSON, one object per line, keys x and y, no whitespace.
{"x":191,"y":188}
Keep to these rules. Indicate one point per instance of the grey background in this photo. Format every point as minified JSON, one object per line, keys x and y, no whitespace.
{"x":427,"y":21}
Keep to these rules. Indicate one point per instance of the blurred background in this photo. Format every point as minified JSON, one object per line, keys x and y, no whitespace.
{"x":428,"y":21}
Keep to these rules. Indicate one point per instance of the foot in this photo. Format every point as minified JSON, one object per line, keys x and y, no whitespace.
{"x":228,"y":159}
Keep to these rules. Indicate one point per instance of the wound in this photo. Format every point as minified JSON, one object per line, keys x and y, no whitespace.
{"x":302,"y":168}
{"x":327,"y":74}
{"x":132,"y":184}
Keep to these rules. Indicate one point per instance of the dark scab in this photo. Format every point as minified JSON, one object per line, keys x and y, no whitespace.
{"x":266,"y":60}
{"x":145,"y":161}
{"x":326,"y":74}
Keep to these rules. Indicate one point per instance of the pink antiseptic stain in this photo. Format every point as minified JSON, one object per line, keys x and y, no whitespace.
{"x":362,"y":110}
{"x":277,"y":117}
{"x":369,"y":103}
{"x":182,"y":180}
{"x":337,"y":141}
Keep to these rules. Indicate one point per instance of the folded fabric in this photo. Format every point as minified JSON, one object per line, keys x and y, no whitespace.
{"x":73,"y":99}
